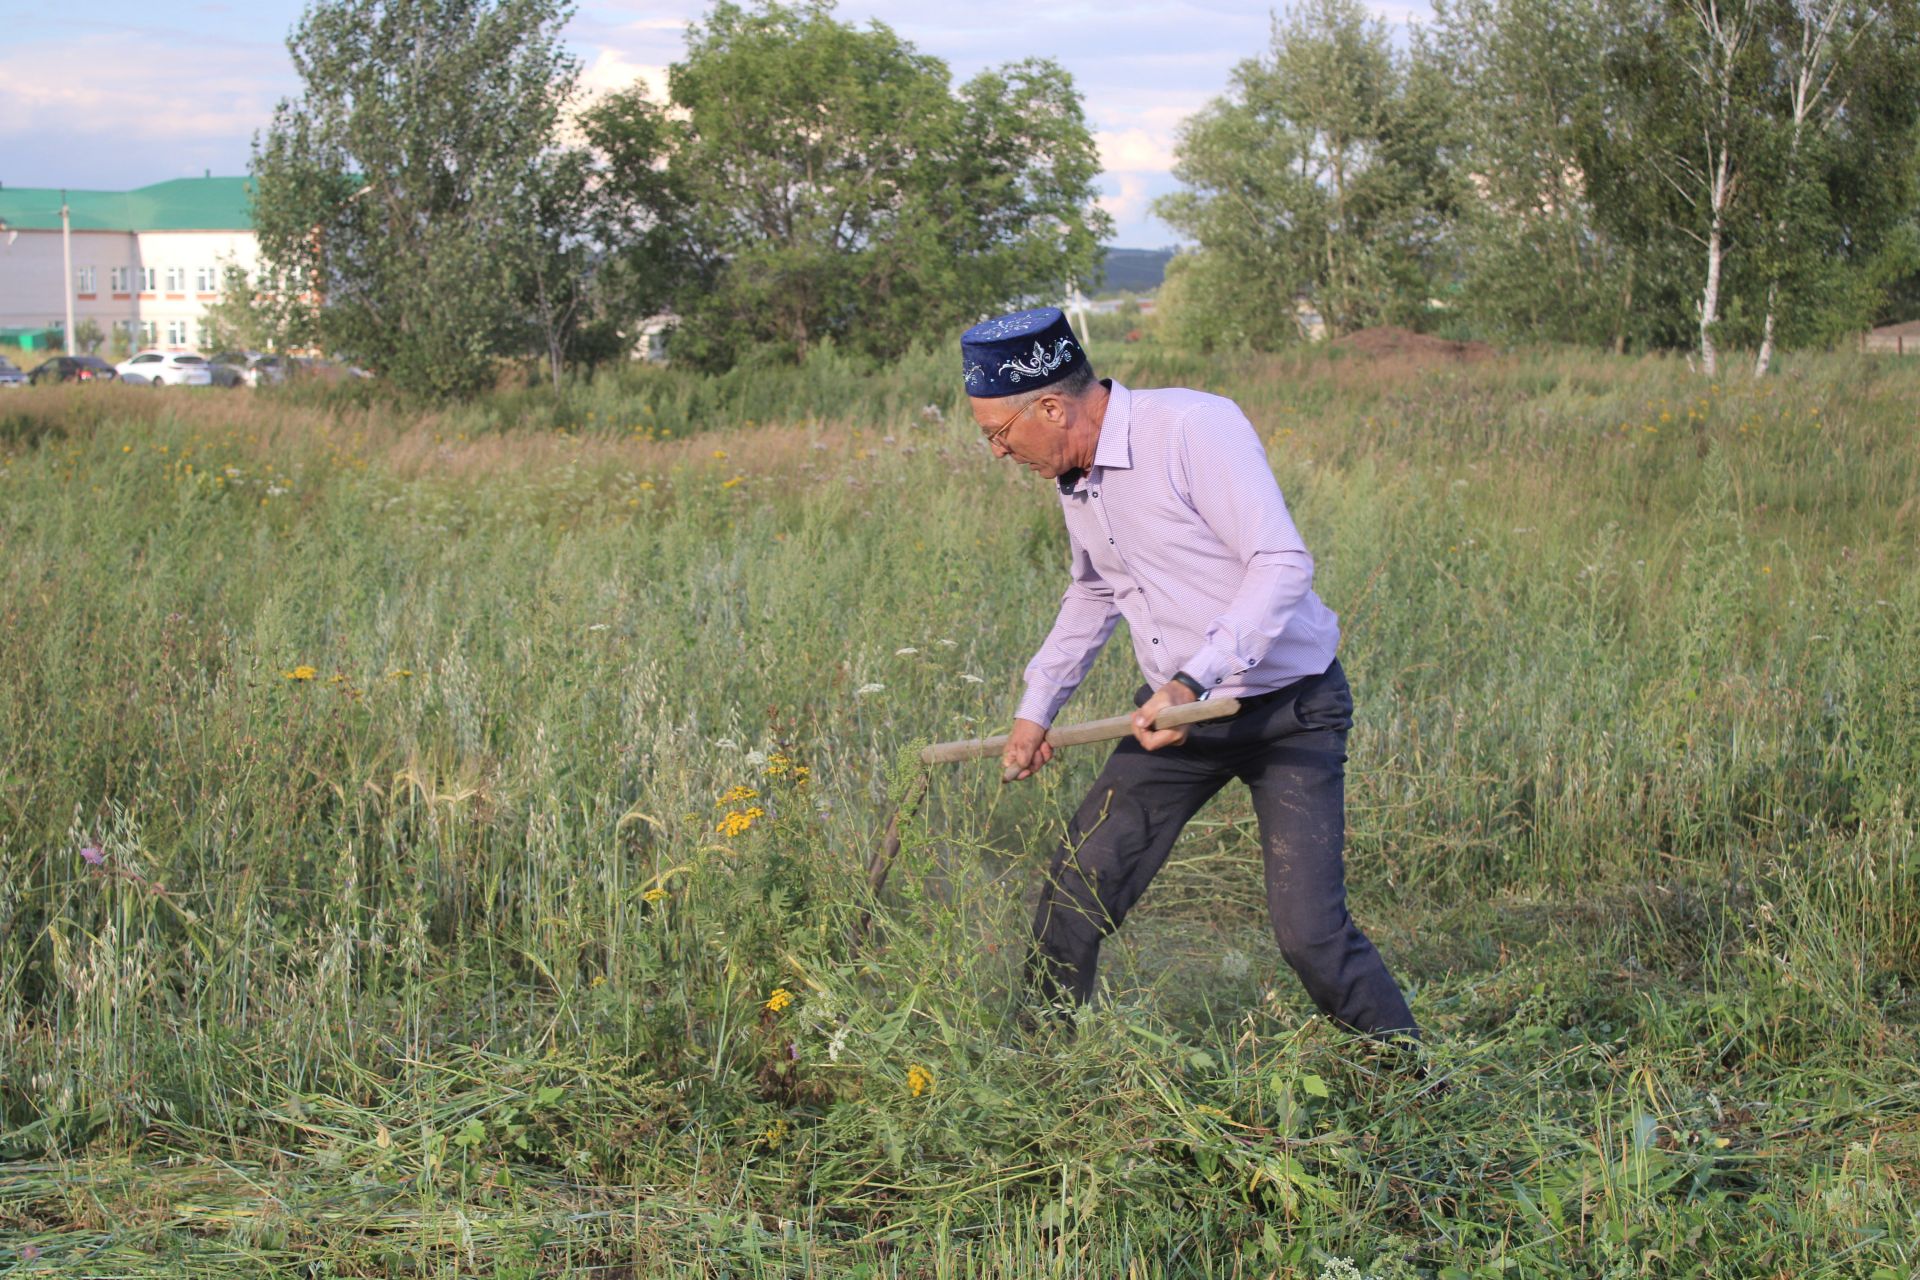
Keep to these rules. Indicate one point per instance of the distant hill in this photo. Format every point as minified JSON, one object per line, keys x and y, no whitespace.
{"x":1131,"y":271}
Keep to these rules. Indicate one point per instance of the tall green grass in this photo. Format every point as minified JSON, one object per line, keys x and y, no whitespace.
{"x":440,"y":960}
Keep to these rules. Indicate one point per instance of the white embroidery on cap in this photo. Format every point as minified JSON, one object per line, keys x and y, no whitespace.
{"x":1042,"y":363}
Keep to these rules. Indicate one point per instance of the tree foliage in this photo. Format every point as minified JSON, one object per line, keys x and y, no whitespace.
{"x":1316,"y":181}
{"x":400,"y":197}
{"x":1639,"y":173}
{"x":833,"y":187}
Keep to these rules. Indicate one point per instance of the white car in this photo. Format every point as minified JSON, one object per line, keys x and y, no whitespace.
{"x":10,"y":375}
{"x":165,"y":368}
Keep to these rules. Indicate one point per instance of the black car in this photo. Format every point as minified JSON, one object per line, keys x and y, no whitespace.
{"x":73,"y":369}
{"x":229,"y":368}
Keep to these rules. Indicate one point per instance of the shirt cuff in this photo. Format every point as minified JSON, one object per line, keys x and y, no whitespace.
{"x":1041,"y":704}
{"x":1211,"y":666}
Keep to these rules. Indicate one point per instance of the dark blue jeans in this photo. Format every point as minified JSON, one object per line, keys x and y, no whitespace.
{"x":1290,"y":748}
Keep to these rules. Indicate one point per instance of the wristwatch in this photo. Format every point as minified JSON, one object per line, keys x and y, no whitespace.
{"x":1199,"y":690}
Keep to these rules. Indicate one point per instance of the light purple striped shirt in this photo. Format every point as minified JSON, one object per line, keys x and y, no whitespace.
{"x":1179,"y":528}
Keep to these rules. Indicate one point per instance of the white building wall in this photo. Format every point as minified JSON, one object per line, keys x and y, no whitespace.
{"x":31,"y":278}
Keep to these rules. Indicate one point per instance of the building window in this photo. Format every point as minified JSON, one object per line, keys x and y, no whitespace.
{"x":203,"y":336}
{"x":145,"y":276}
{"x":176,"y":333}
{"x":83,"y":280}
{"x":118,"y":279}
{"x":149,"y":333}
{"x":176,"y":279}
{"x":206,"y":279}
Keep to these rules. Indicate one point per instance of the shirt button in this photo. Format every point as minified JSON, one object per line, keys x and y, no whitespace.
{"x":1156,"y":639}
{"x":1096,"y":493}
{"x":1109,"y":541}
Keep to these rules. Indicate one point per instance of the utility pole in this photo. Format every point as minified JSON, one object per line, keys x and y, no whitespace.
{"x":66,"y":255}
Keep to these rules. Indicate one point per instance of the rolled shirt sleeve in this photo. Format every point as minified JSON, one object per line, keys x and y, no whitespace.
{"x":1086,"y":619}
{"x":1230,"y":484}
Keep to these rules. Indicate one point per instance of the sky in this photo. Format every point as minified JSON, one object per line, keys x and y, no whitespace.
{"x":142,"y":93}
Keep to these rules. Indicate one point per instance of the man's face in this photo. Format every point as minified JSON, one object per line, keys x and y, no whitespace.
{"x":1034,"y":436}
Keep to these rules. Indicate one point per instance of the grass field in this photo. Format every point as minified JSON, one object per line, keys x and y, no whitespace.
{"x":429,"y":841}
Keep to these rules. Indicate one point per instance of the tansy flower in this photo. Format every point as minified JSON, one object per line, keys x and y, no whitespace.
{"x":739,"y":820}
{"x":919,"y":1079}
{"x":720,"y":454}
{"x":301,"y":673}
{"x":779,"y":1000}
{"x":738,"y":793}
{"x":776,"y":1134}
{"x":728,"y":484}
{"x":654,"y":894}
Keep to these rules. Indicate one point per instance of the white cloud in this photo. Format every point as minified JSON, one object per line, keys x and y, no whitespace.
{"x":611,"y":71}
{"x":1134,"y":151}
{"x":131,"y":89}
{"x":1129,"y":204}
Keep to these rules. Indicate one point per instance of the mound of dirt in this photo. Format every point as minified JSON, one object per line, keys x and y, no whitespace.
{"x":1393,"y":342}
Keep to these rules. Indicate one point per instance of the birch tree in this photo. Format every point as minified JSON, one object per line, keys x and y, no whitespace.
{"x":1676,"y":131}
{"x":1714,"y":173}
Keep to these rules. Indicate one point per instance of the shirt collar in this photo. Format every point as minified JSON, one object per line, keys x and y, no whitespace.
{"x":1115,"y":448}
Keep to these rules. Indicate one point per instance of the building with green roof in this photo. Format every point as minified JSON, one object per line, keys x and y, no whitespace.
{"x":144,"y":263}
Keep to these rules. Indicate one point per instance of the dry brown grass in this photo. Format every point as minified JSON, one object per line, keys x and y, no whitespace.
{"x":409,"y":445}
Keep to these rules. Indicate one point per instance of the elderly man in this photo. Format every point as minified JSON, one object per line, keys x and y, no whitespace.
{"x":1178,"y":526}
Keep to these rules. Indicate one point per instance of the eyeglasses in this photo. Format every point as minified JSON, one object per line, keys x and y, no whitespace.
{"x":993,"y":436}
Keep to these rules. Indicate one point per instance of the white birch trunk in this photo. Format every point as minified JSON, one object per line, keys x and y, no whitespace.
{"x":1726,"y":33}
{"x":1812,"y":78}
{"x":1716,"y":255}
{"x":1765,"y":358}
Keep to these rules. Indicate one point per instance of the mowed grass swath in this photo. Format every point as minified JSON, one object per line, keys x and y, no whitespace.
{"x":429,"y":843}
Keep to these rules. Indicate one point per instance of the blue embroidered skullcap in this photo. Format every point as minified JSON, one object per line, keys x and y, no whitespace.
{"x":1013,"y":353}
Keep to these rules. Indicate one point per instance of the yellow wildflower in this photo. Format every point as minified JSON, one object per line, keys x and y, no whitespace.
{"x":739,"y":821}
{"x":720,"y":454}
{"x":599,"y":980}
{"x":919,"y":1079}
{"x":738,"y":793}
{"x":399,"y":673}
{"x":300,"y":673}
{"x":728,"y":484}
{"x":779,"y":1000}
{"x":776,"y":1134}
